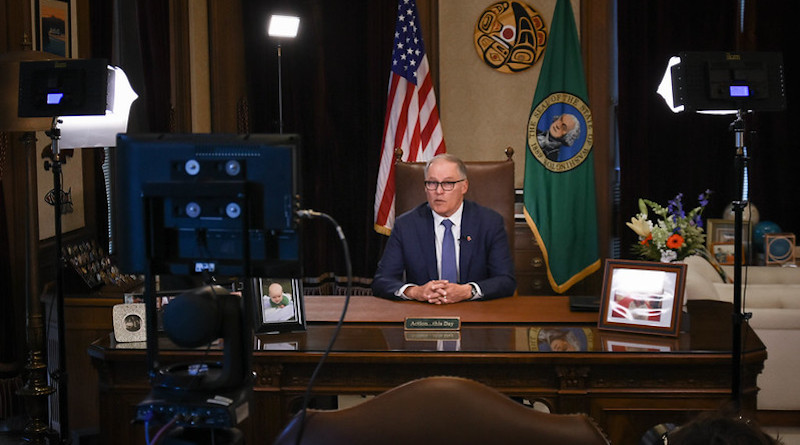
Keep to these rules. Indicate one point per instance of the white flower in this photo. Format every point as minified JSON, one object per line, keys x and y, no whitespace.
{"x":668,"y":256}
{"x":641,"y":225}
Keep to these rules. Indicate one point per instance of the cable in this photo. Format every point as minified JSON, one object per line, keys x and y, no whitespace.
{"x":313,"y":214}
{"x":166,"y":427}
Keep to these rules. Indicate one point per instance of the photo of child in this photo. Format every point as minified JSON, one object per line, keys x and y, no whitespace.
{"x":276,"y":305}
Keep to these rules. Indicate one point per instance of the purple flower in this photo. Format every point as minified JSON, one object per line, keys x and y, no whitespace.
{"x":703,"y":198}
{"x":676,"y":208}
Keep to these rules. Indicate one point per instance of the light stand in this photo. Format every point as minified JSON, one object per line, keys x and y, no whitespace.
{"x":739,"y":317}
{"x":60,"y":376}
{"x":728,"y":83}
{"x":95,"y":100}
{"x":280,"y":92}
{"x":282,"y":26}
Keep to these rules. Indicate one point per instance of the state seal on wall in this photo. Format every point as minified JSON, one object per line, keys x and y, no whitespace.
{"x":560,"y":132}
{"x":510,"y":36}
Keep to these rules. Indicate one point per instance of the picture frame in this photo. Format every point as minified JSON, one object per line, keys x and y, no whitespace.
{"x":723,"y":252}
{"x":53,"y":25}
{"x":642,"y":296}
{"x":560,"y":339}
{"x":720,"y":230}
{"x":130,"y":323}
{"x":277,"y":305}
{"x":779,"y":249}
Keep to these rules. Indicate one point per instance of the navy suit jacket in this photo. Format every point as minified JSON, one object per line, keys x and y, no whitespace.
{"x":410,"y":253}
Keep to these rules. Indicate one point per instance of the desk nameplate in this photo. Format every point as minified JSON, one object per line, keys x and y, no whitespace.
{"x":432,"y":323}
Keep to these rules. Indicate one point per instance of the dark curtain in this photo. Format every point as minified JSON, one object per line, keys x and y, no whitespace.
{"x":334,"y":78}
{"x":134,"y":35}
{"x":662,"y":154}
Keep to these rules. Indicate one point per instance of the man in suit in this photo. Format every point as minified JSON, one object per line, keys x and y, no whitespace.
{"x":431,"y":260}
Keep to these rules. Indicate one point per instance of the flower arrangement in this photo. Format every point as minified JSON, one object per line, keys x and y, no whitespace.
{"x":675,"y":233}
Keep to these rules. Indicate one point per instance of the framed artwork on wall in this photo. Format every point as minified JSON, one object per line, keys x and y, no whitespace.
{"x":53,"y":25}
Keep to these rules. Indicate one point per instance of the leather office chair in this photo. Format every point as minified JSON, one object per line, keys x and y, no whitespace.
{"x":442,"y":410}
{"x":491,"y":184}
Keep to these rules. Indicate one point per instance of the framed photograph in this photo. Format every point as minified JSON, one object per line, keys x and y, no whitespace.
{"x":642,"y":296}
{"x":560,"y":339}
{"x":129,"y":322}
{"x":723,"y":231}
{"x":723,"y":252}
{"x":277,"y":304}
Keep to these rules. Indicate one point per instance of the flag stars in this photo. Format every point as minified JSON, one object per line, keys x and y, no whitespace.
{"x":408,"y":51}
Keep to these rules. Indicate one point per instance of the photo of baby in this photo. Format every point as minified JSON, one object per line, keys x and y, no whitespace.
{"x":276,"y":304}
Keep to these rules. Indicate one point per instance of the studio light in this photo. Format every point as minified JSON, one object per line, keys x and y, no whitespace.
{"x":87,"y":103}
{"x":724,"y":82}
{"x":101,"y":130}
{"x":735,"y":83}
{"x":665,"y":87}
{"x":282,"y":26}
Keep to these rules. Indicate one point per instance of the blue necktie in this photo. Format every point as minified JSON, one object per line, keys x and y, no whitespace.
{"x":449,"y":272}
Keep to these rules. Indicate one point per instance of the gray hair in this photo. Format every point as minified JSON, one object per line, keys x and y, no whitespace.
{"x":573,"y":134}
{"x":462,"y":169}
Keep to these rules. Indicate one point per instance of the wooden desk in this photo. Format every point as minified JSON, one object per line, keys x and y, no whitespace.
{"x":627,"y":382}
{"x":502,"y":310}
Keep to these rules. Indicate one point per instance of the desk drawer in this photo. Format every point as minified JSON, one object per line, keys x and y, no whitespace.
{"x":529,"y":261}
{"x":533,"y":284}
{"x":523,"y":237}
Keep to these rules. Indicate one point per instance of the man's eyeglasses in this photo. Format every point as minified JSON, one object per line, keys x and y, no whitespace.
{"x":446,"y":185}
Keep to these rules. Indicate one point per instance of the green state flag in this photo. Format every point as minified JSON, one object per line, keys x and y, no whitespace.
{"x":559,"y":189}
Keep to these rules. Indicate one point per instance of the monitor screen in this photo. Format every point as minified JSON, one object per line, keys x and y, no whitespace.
{"x":182,"y":204}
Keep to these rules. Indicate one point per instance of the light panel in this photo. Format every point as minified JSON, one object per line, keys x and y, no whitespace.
{"x":283,"y":26}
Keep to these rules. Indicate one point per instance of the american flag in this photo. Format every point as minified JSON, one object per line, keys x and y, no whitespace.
{"x":412,"y":119}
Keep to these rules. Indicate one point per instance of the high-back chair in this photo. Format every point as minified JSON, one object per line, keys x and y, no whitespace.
{"x":491,"y":184}
{"x":442,"y":410}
